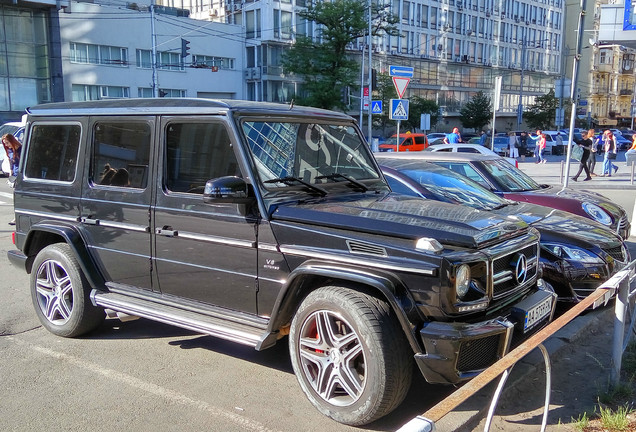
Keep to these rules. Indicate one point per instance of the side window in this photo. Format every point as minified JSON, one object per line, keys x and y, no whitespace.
{"x":196,"y":153}
{"x":448,"y":149}
{"x":408,"y":142}
{"x":53,"y":152}
{"x":420,"y":140}
{"x":121,"y":153}
{"x":467,"y":150}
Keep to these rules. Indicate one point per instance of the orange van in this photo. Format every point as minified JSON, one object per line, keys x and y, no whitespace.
{"x":408,"y":142}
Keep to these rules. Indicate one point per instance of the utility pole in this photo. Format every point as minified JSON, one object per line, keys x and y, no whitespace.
{"x":370,"y":130}
{"x":153,"y":60}
{"x":575,"y":73}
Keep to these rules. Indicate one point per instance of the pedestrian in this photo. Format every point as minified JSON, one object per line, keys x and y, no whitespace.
{"x":513,"y":145}
{"x":591,"y":160}
{"x":632,"y":149}
{"x":482,"y":138}
{"x":453,"y":138}
{"x":12,"y":148}
{"x":586,"y":144}
{"x":610,"y":154}
{"x":523,"y":144}
{"x":539,"y":139}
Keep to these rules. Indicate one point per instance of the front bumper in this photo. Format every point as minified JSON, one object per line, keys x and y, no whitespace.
{"x":455,"y":352}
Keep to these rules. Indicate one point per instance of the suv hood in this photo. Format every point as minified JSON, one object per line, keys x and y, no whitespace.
{"x":405,"y":217}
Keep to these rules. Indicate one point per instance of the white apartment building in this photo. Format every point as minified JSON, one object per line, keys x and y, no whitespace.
{"x":457,"y":47}
{"x":107,"y":53}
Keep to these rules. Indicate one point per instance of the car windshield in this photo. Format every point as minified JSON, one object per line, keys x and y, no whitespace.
{"x":509,"y":178}
{"x":446,"y":185}
{"x":308,"y":153}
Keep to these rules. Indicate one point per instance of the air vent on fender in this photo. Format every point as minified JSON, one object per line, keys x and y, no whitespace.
{"x":356,"y":247}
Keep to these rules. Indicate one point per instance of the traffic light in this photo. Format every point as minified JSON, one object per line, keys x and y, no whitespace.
{"x":374,"y":79}
{"x":185,"y":48}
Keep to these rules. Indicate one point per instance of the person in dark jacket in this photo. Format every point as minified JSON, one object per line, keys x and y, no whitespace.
{"x":586,"y":143}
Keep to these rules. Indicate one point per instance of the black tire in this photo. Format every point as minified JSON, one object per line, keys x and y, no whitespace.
{"x":60,"y":293}
{"x":350,"y":355}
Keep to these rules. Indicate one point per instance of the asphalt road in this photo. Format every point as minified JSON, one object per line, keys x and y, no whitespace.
{"x":146,"y":376}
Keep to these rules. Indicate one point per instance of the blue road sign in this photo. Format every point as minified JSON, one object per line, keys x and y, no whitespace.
{"x":376,"y":107}
{"x":399,"y":109}
{"x":401,"y":71}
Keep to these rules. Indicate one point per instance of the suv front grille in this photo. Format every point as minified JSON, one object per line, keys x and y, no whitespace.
{"x":504,"y":270}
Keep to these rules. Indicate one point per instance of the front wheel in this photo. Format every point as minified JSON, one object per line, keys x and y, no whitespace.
{"x":60,"y":293}
{"x":350,"y":355}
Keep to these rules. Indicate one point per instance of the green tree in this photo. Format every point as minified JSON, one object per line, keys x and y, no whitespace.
{"x":324,"y":64}
{"x":477,"y":112}
{"x":542,"y":114}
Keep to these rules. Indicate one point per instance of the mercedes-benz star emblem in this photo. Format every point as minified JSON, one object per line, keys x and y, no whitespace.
{"x":521,"y":268}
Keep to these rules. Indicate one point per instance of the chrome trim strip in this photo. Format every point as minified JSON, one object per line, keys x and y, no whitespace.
{"x":48,"y":215}
{"x":216,"y":239}
{"x":268,"y":247}
{"x":356,"y":261}
{"x":121,"y":225}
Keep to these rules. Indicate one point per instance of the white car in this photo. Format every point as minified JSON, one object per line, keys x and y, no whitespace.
{"x":467,"y":148}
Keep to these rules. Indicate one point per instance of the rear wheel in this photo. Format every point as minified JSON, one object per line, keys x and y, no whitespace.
{"x":349,"y":355}
{"x":60,"y":293}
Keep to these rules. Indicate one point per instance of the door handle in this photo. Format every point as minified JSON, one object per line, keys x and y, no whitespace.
{"x":90,"y":221}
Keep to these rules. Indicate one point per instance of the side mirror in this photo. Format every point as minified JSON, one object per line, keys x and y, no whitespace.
{"x":228,"y":189}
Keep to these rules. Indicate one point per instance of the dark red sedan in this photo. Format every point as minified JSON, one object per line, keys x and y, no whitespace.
{"x":501,"y":177}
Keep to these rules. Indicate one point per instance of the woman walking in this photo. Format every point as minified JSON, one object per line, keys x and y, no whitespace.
{"x":610,"y":154}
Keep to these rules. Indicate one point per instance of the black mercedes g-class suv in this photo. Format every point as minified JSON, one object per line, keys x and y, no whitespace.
{"x":251,"y":222}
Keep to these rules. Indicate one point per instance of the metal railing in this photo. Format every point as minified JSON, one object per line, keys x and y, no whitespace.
{"x":623,"y":283}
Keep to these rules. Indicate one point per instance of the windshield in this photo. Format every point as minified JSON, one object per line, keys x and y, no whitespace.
{"x":307,"y":152}
{"x":508,"y":178}
{"x":446,"y":185}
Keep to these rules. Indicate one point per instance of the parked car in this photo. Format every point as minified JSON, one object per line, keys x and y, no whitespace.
{"x":512,"y":183}
{"x":577,"y":254}
{"x":407,"y":142}
{"x":469,"y":148}
{"x":253,"y":221}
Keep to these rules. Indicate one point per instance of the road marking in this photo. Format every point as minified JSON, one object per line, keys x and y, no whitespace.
{"x":6,"y":195}
{"x":154,"y":389}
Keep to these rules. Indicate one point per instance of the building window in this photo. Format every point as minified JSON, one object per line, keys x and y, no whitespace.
{"x":83,"y":92}
{"x":98,"y":54}
{"x":146,"y":92}
{"x":165,"y":60}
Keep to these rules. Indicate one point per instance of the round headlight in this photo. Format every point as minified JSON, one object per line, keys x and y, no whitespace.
{"x":462,"y":281}
{"x":597,"y":213}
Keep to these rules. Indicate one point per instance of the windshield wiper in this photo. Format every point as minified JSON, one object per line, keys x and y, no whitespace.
{"x":291,"y":180}
{"x":356,"y":183}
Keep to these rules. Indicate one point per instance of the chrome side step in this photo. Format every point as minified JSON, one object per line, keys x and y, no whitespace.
{"x":214,"y":326}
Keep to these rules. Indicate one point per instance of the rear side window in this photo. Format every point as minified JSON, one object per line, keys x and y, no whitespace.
{"x":53,"y":152}
{"x":121,"y":154}
{"x":196,"y":153}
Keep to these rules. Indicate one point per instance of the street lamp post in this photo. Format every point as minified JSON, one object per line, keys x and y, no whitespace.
{"x":520,"y":106}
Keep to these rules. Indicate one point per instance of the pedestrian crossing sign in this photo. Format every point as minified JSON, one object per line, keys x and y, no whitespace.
{"x":399,"y":109}
{"x":376,"y":107}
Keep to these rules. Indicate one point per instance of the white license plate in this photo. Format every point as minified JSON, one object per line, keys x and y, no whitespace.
{"x":537,"y":313}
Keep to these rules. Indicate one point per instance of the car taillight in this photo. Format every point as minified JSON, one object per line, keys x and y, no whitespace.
{"x":516,"y":164}
{"x":13,"y":237}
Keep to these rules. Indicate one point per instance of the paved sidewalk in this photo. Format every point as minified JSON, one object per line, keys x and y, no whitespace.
{"x":552,"y":172}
